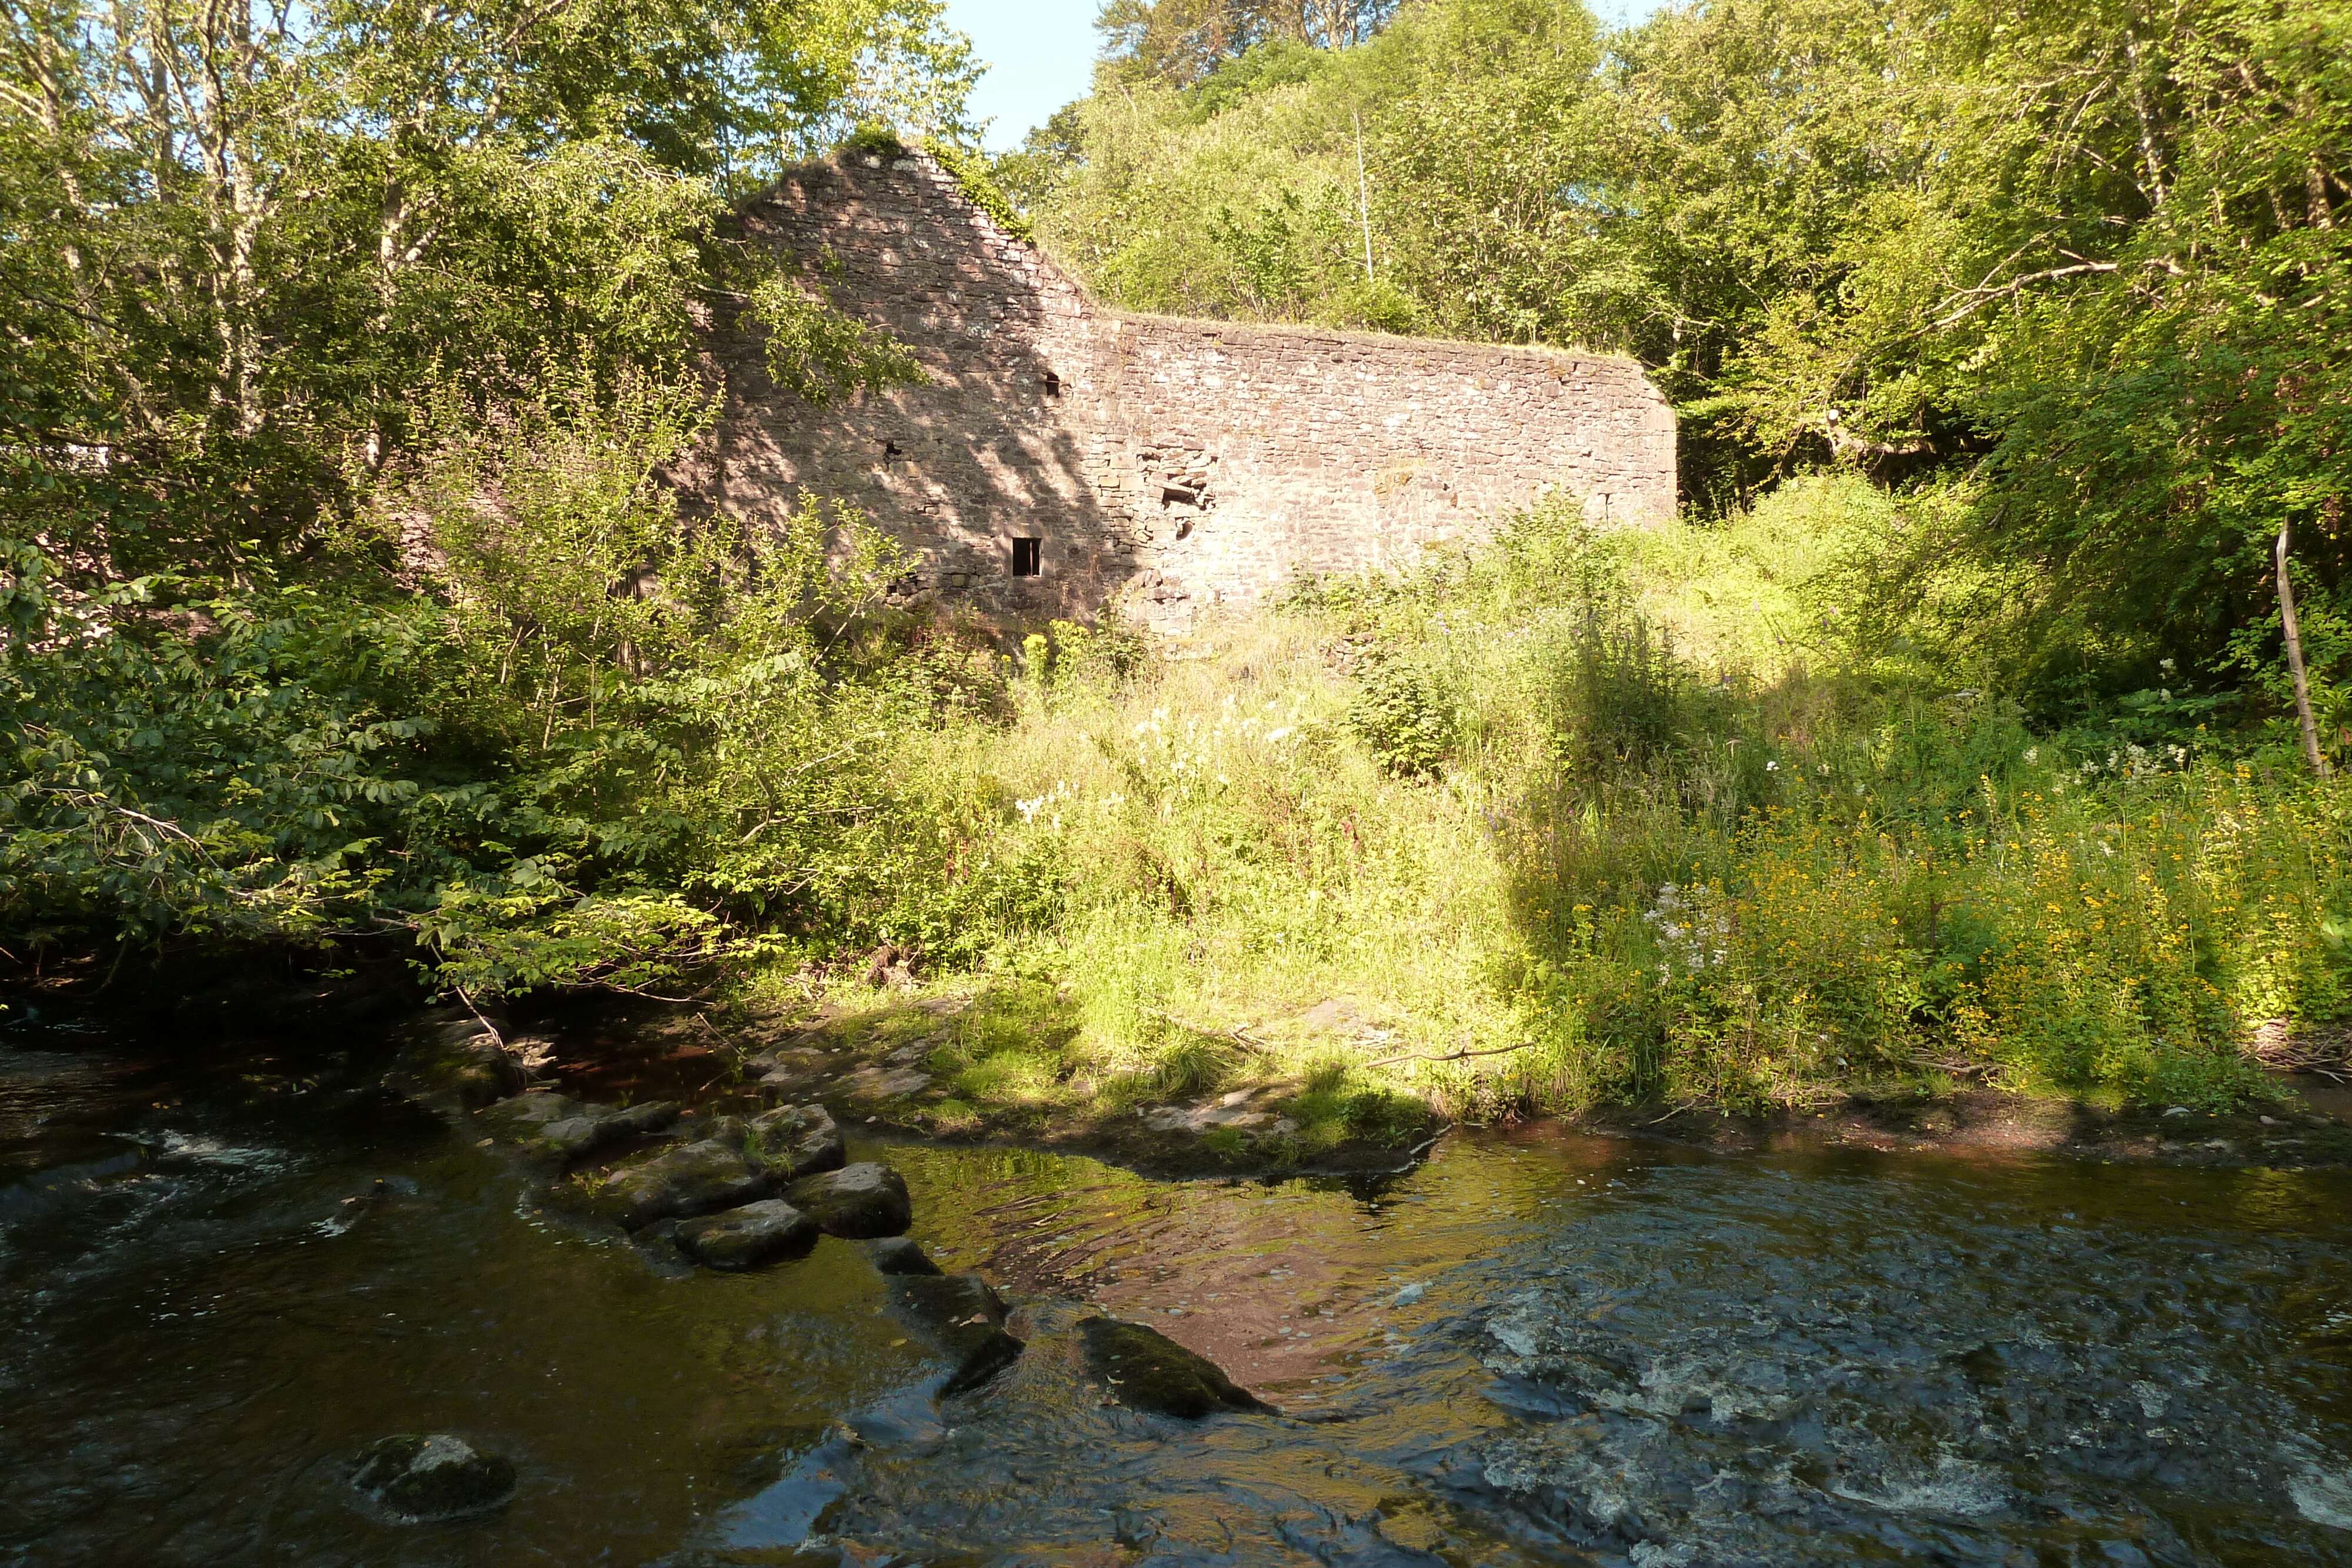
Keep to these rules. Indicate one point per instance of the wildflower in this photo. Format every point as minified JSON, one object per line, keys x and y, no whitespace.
{"x":2032,"y":754}
{"x":1771,"y":767}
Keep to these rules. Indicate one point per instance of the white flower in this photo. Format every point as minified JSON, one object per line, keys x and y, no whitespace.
{"x":1280,"y":735}
{"x":2033,"y":754}
{"x":1771,"y":767}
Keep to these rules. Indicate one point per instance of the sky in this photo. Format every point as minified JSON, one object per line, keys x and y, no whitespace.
{"x":1041,"y":55}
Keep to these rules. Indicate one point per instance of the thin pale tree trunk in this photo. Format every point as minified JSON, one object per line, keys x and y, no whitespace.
{"x":2311,"y":752}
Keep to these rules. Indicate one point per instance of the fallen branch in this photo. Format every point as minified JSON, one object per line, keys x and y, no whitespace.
{"x":1463,"y":1054}
{"x":2326,"y":1054}
{"x":1958,"y":1067}
{"x":496,"y":1038}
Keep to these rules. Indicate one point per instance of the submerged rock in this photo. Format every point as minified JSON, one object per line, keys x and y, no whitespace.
{"x":748,"y":1236}
{"x":1145,"y":1370}
{"x":699,"y":1178}
{"x":963,"y":1318}
{"x":856,"y":1202}
{"x":420,"y":1479}
{"x":795,"y":1141}
{"x":899,"y":1255}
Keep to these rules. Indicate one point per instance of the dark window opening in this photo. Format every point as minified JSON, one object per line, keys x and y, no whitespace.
{"x":1026,"y":561}
{"x":1053,"y":384}
{"x":892,"y":449}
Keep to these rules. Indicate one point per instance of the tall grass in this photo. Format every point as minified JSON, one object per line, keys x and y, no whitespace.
{"x":1629,"y":803}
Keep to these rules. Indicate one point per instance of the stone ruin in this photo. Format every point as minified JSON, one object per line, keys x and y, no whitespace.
{"x":1065,"y":458}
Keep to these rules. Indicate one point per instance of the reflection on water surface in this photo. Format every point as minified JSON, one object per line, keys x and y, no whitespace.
{"x":1537,"y":1348}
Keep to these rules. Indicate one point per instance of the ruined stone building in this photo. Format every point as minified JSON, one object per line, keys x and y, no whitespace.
{"x":1065,"y":456}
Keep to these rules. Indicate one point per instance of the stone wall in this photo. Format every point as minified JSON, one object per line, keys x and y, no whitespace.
{"x":1164,"y":465}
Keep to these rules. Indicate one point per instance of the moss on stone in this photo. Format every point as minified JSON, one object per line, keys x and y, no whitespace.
{"x":1145,"y":1370}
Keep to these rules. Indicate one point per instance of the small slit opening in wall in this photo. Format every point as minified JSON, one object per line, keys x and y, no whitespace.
{"x":891,"y":449}
{"x":1053,"y":384}
{"x":1027,"y":558}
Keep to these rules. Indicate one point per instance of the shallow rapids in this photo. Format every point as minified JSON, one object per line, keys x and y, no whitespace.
{"x":225,"y":1280}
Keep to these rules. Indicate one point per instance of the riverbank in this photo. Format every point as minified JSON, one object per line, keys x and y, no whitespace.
{"x":975,"y":1064}
{"x":902,"y":1065}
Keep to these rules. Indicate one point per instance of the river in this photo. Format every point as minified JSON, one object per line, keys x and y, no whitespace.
{"x":226,"y":1270}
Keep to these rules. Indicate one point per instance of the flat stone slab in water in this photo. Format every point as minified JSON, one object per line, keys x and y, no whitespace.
{"x":421,"y":1480}
{"x":748,"y":1236}
{"x":856,"y":1202}
{"x":795,"y":1141}
{"x":701,"y":1178}
{"x":1145,"y":1370}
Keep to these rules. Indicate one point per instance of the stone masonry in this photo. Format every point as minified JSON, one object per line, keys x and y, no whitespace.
{"x":1158,"y":464}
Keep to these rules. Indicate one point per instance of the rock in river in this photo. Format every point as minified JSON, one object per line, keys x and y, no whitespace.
{"x":566,"y":1129}
{"x":795,"y":1141}
{"x":422,"y":1478}
{"x":599,"y":1127}
{"x":962,"y":1317}
{"x":748,"y":1236}
{"x":699,"y":1178}
{"x":855,"y":1202}
{"x":899,"y":1255}
{"x":1148,"y":1371}
{"x":480,"y":1073}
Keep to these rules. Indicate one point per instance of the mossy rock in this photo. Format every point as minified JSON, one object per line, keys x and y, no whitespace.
{"x":745,"y":1237}
{"x":1145,"y":1370}
{"x":701,"y":1178}
{"x":595,"y":1128}
{"x":422,"y":1480}
{"x":856,"y":1202}
{"x":795,"y":1141}
{"x":555,"y":1128}
{"x":477,"y":1073}
{"x":524,"y":1115}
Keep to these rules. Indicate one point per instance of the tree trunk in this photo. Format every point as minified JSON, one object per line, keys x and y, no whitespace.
{"x":2311,"y":751}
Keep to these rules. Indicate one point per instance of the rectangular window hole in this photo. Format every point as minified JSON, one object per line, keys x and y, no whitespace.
{"x":1053,"y":384}
{"x":1026,"y":556}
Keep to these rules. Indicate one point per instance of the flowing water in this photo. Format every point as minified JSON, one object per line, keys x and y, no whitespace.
{"x":1534,"y":1348}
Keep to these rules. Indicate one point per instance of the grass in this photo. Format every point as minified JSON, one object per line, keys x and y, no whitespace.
{"x":1579,"y":818}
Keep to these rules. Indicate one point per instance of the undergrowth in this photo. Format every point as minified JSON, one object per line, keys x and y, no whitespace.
{"x":1581,"y":817}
